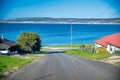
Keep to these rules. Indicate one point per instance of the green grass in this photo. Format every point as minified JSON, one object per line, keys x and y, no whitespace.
{"x":43,"y":52}
{"x":118,"y":64}
{"x":2,"y":76}
{"x":12,"y":63}
{"x":87,"y":55}
{"x":8,"y":62}
{"x":68,"y":46}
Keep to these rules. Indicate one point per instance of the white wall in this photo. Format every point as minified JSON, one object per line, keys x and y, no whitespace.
{"x":98,"y":45}
{"x":4,"y":51}
{"x":111,"y":48}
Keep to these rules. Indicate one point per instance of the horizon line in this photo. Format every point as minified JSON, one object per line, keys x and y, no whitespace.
{"x":58,"y":17}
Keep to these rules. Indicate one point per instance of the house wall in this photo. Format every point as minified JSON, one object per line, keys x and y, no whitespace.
{"x":111,"y":48}
{"x":4,"y":51}
{"x":98,"y":45}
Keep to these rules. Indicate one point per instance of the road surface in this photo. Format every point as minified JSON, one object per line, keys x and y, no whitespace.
{"x":60,"y":66}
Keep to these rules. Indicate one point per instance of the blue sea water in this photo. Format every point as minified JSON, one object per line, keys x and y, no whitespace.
{"x":59,"y":34}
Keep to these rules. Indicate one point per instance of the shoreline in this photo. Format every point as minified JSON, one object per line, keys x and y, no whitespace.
{"x":32,"y":22}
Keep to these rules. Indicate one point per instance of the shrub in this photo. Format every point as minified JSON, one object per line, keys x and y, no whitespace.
{"x":101,"y":50}
{"x":28,"y":42}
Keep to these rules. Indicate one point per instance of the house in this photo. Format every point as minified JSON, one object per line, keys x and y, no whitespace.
{"x":110,"y":42}
{"x":5,"y":45}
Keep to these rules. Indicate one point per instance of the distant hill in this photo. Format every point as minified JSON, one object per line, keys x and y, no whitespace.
{"x":62,"y":20}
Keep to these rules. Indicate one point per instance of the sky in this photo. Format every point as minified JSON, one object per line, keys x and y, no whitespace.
{"x":59,"y":8}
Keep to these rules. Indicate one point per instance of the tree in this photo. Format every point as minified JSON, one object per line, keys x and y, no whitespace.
{"x":0,"y":41}
{"x":14,"y":48}
{"x":29,"y":42}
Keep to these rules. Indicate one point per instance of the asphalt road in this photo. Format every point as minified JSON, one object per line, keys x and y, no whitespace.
{"x":59,"y":66}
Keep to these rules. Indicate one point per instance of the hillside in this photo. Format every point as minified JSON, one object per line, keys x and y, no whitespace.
{"x":61,"y":20}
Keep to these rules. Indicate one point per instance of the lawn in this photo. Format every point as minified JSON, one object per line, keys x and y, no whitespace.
{"x":88,"y":55}
{"x":68,"y":46}
{"x":12,"y":63}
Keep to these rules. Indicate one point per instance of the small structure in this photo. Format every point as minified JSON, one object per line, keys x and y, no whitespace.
{"x":5,"y":45}
{"x":110,"y":42}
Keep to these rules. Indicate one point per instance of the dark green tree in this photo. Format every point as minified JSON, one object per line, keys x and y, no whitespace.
{"x":0,"y":41}
{"x":14,"y":48}
{"x":29,"y":42}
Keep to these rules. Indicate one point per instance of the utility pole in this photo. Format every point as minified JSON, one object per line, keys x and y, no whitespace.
{"x":71,"y":35}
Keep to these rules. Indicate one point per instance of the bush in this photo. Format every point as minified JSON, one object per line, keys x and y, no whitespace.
{"x":101,"y":50}
{"x":28,"y":42}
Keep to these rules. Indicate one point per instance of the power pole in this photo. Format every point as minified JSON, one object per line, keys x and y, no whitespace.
{"x":71,"y":35}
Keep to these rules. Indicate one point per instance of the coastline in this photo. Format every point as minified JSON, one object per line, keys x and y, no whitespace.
{"x":29,"y":22}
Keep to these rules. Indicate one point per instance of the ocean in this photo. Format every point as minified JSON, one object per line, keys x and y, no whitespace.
{"x":60,"y":34}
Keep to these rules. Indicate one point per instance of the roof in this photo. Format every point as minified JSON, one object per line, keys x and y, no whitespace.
{"x":101,"y":42}
{"x":6,"y":43}
{"x":113,"y":39}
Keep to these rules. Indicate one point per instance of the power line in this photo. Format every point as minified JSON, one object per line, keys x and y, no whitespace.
{"x":105,"y":10}
{"x":116,"y":13}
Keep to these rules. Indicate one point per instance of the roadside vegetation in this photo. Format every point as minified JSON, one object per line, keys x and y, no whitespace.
{"x":89,"y":52}
{"x":100,"y":54}
{"x":88,"y":55}
{"x":10,"y":64}
{"x":27,"y":42}
{"x":68,"y":46}
{"x":118,"y":64}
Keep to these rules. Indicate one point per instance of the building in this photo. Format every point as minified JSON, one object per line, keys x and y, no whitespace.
{"x":5,"y":45}
{"x":110,"y":42}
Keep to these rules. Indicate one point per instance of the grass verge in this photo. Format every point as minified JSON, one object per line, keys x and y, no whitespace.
{"x":12,"y":63}
{"x":118,"y":64}
{"x":87,"y":55}
{"x":69,"y":46}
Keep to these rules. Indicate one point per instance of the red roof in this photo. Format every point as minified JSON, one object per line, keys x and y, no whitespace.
{"x":113,"y":39}
{"x":101,"y":42}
